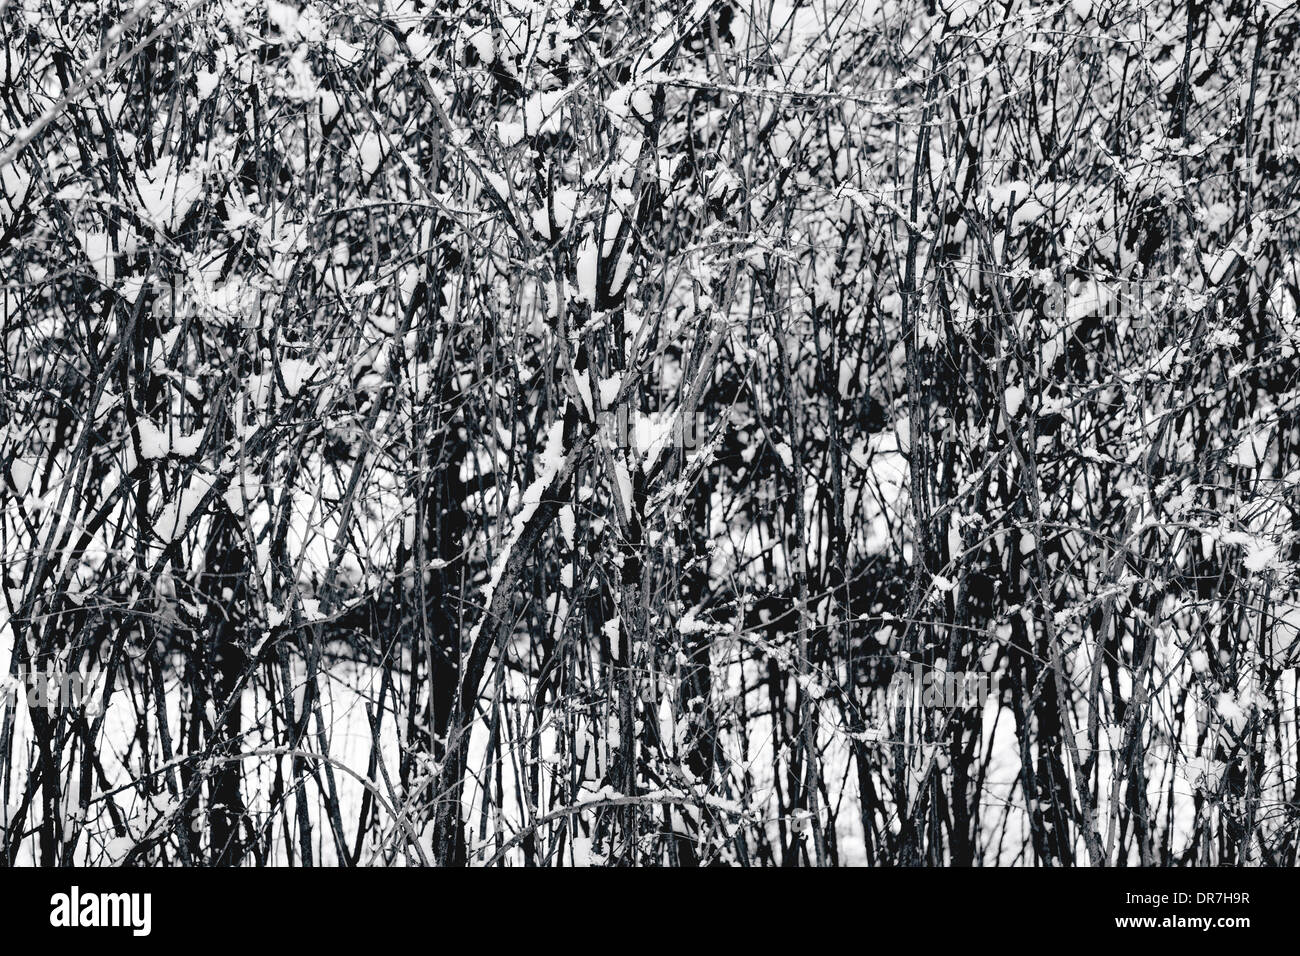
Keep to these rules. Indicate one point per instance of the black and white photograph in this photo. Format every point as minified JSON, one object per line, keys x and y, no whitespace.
{"x":510,"y":434}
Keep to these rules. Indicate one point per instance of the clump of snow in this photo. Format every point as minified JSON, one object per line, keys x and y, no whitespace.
{"x":329,"y":106}
{"x":167,"y":194}
{"x":542,"y":222}
{"x":370,"y":152}
{"x":153,"y":443}
{"x":690,"y":624}
{"x":296,"y":373}
{"x":608,"y":391}
{"x":564,"y":202}
{"x":568,"y":522}
{"x":1015,"y":396}
{"x":585,"y":269}
{"x":511,"y":133}
{"x":244,"y":493}
{"x":960,"y":11}
{"x":21,"y":472}
{"x":1260,"y":557}
{"x":174,"y":518}
{"x":611,"y":630}
{"x":101,"y":255}
{"x":1252,"y":450}
{"x":156,"y":443}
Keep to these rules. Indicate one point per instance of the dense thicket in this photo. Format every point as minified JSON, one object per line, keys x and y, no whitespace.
{"x":541,"y":433}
